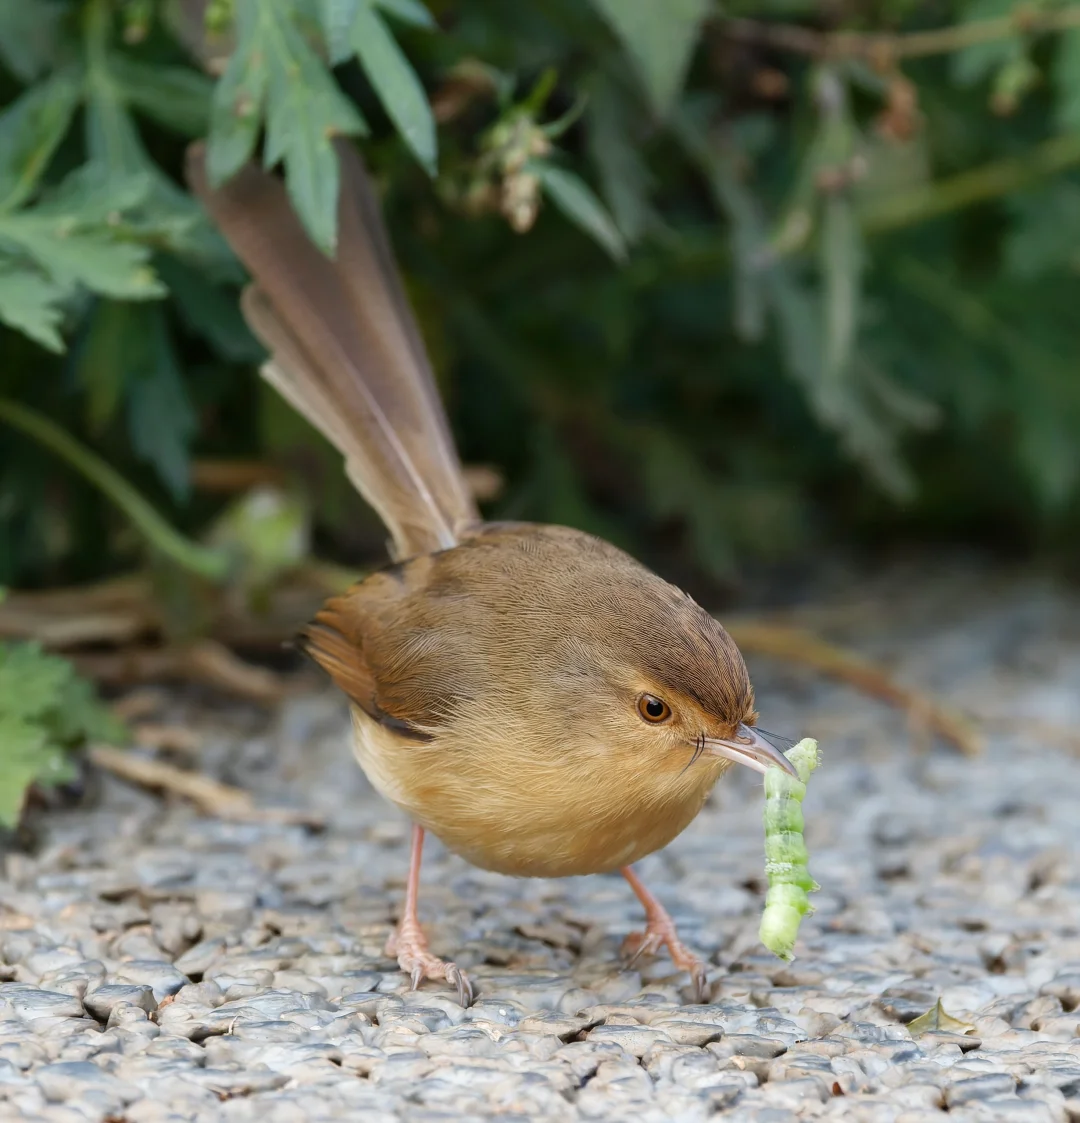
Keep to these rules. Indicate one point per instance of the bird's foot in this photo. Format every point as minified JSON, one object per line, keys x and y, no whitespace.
{"x":409,"y":946}
{"x":660,"y":932}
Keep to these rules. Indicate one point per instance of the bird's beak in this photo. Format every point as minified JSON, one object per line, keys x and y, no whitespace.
{"x":750,"y":748}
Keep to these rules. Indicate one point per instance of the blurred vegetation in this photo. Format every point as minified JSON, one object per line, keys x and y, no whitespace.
{"x":46,"y":712}
{"x":720,"y":284}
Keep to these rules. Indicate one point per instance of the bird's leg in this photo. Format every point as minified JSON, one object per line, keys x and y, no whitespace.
{"x":408,"y":942}
{"x":660,"y":932}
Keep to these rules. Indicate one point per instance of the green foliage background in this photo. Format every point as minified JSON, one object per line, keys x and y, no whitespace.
{"x":724,"y":285}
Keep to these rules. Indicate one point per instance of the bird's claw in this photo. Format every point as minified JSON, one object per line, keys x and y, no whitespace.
{"x":456,"y":977}
{"x":409,"y":946}
{"x":661,"y":933}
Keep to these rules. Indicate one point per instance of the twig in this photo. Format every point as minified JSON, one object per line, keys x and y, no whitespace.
{"x":207,"y":661}
{"x":213,"y":663}
{"x":883,"y":47}
{"x":215,"y":798}
{"x":172,"y":738}
{"x":797,"y":646}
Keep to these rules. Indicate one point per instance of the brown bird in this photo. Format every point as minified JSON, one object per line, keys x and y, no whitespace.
{"x":531,"y":695}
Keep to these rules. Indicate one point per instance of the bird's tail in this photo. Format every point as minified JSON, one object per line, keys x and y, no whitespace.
{"x":344,"y":348}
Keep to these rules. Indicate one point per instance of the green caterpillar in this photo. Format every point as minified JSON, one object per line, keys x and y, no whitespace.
{"x":786,"y":901}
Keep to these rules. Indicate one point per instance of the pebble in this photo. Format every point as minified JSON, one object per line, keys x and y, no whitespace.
{"x":105,"y":999}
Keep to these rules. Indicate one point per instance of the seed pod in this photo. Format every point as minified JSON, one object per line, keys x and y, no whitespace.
{"x":786,"y":901}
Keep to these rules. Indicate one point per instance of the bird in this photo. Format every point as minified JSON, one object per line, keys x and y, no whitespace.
{"x":533,"y":696}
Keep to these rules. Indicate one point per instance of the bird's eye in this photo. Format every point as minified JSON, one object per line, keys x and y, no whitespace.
{"x":654,"y":710}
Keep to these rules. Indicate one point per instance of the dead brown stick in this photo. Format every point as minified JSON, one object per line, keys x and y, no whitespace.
{"x":796,"y":646}
{"x":206,"y":661}
{"x":215,"y":798}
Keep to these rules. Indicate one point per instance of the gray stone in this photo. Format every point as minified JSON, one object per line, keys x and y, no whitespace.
{"x":102,"y":1001}
{"x":984,"y":1087}
{"x":199,"y":958}
{"x":75,"y":1080}
{"x":29,"y":1003}
{"x":634,"y":1039}
{"x":163,"y":978}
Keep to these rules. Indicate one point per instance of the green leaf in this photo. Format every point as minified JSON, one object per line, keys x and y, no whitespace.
{"x":408,"y":11}
{"x":1047,"y":448}
{"x":236,"y":110}
{"x":841,"y":266}
{"x":30,"y":130}
{"x":30,"y":681}
{"x":660,"y":39}
{"x":337,"y":18}
{"x":576,"y":200}
{"x":26,"y":756}
{"x":46,"y":709}
{"x":103,"y":364}
{"x":396,"y":84}
{"x":743,"y":211}
{"x":29,"y":35}
{"x":69,"y":238}
{"x":975,"y":63}
{"x":161,"y":420}
{"x":274,"y":67}
{"x":1045,"y":232}
{"x":1067,"y":80}
{"x":212,"y":312}
{"x":91,"y":258}
{"x":624,"y":175}
{"x":31,"y":304}
{"x":93,"y":195}
{"x":174,"y":96}
{"x":112,"y":140}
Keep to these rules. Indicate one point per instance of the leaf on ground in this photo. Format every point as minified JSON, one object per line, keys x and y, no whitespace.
{"x":660,"y":39}
{"x":935,"y":1020}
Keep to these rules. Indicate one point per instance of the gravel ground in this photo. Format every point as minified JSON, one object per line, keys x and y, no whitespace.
{"x":160,"y":965}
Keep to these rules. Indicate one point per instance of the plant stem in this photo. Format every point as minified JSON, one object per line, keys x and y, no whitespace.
{"x":163,"y":537}
{"x":885,"y":47}
{"x":986,"y":182}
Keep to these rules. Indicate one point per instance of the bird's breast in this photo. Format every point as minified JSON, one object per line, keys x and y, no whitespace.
{"x":514,"y":810}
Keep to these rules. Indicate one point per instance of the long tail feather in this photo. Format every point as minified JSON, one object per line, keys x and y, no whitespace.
{"x":345,"y":350}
